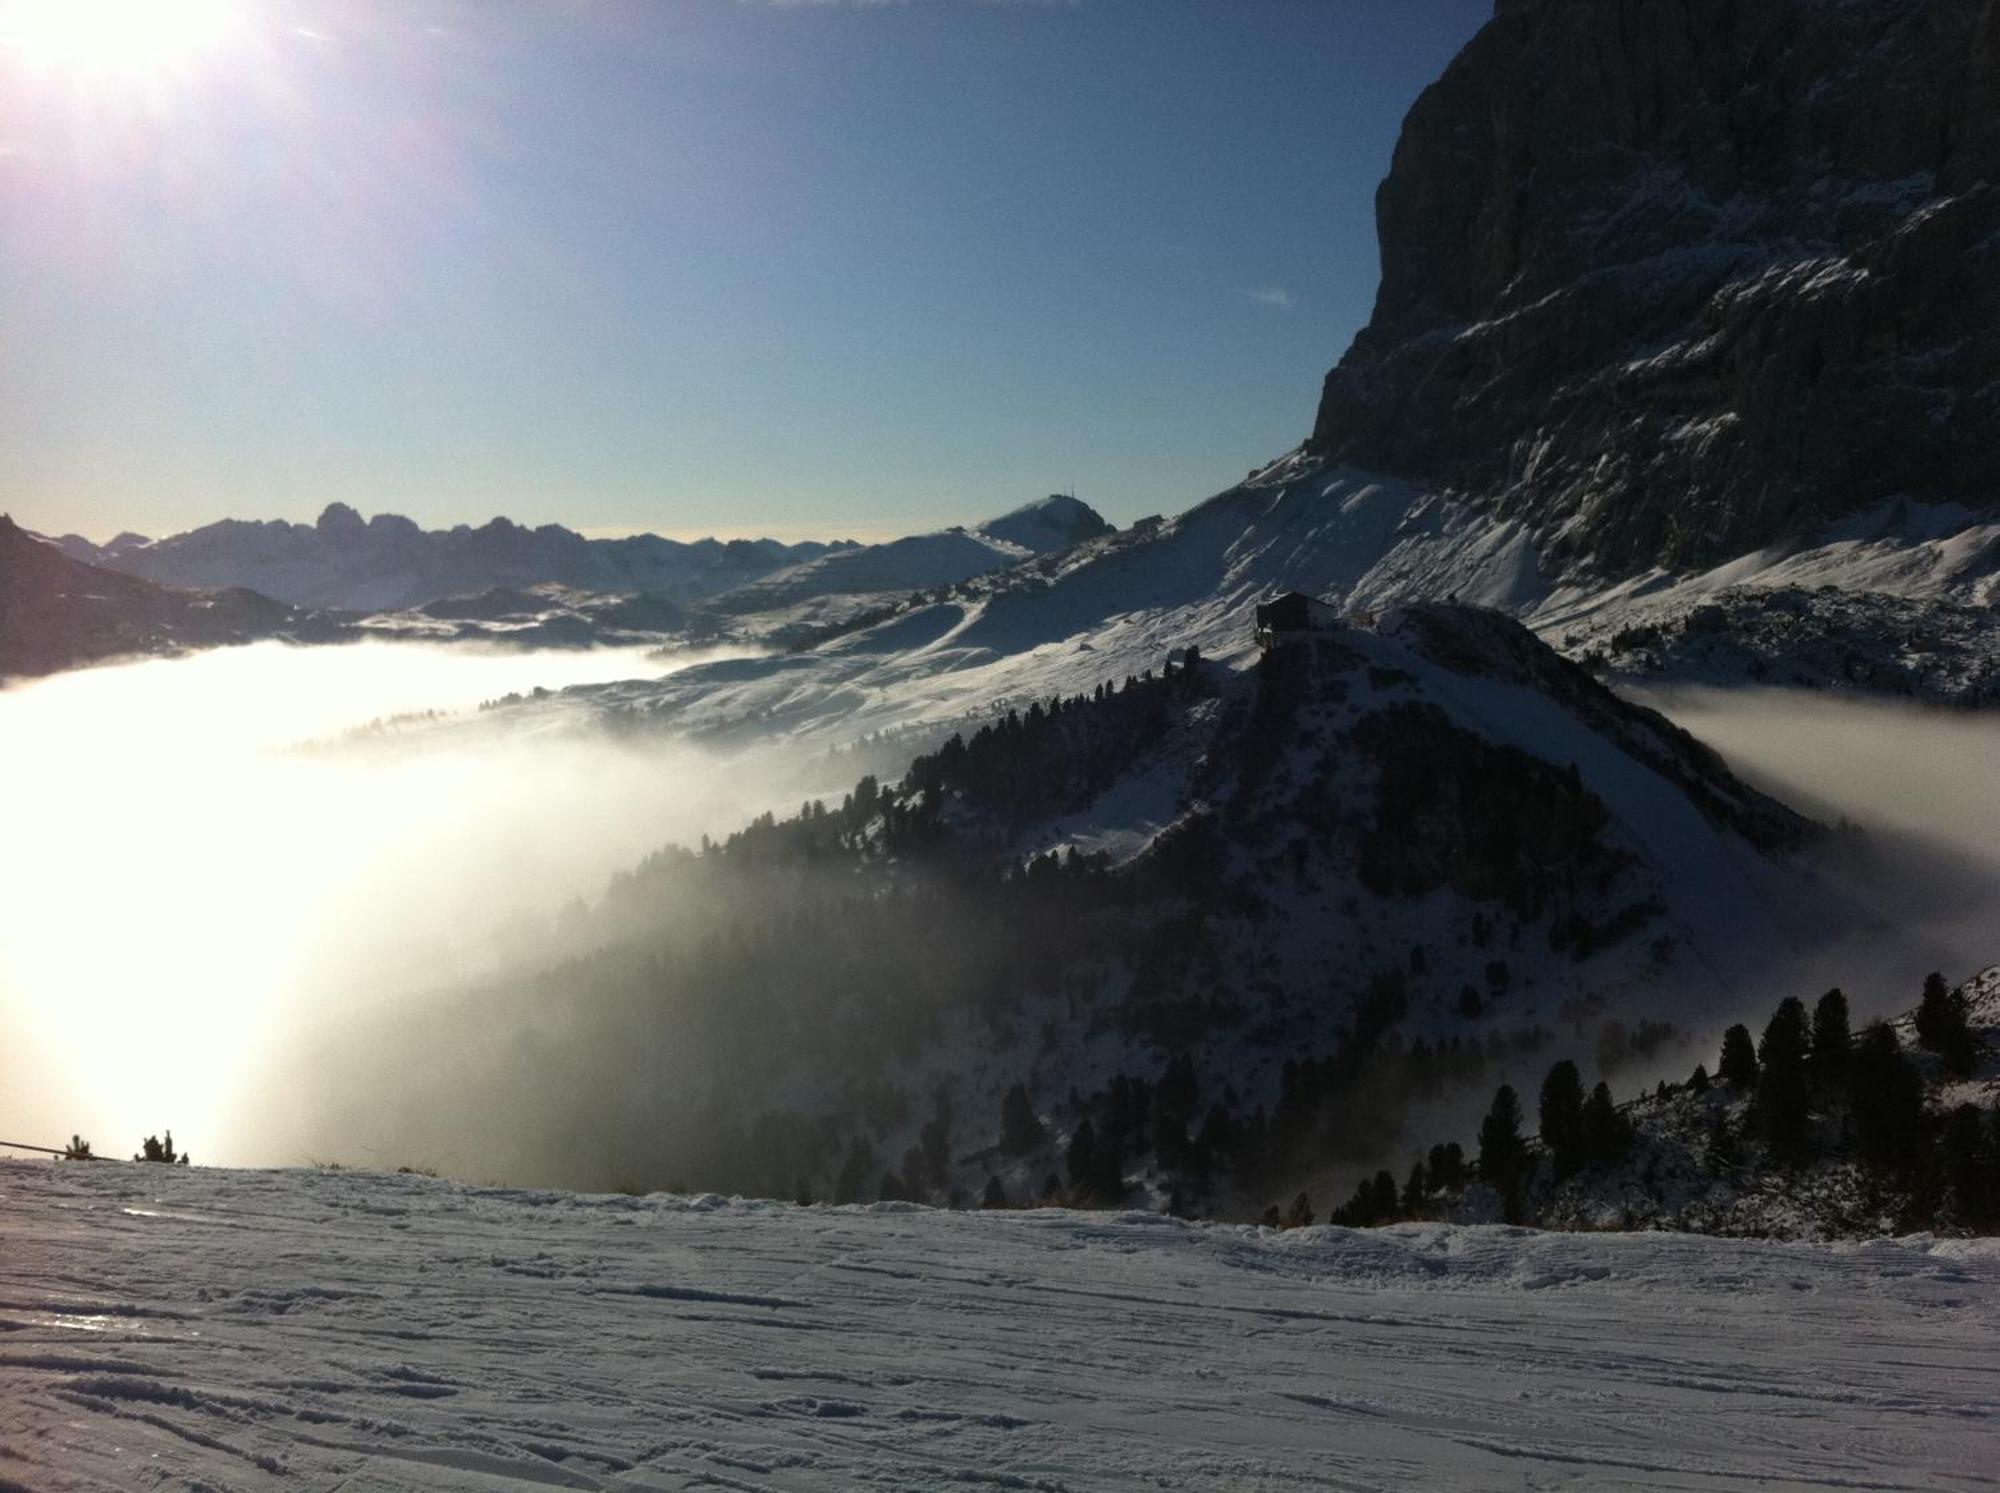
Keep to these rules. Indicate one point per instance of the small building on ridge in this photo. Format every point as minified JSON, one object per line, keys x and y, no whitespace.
{"x":1291,"y":617}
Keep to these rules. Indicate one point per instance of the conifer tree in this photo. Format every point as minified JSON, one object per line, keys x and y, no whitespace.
{"x":1562,"y":1116}
{"x":1832,"y":1040}
{"x":1888,"y":1101}
{"x":1382,"y":1195}
{"x":1606,"y":1134}
{"x":1738,"y":1067}
{"x":1500,"y":1149}
{"x":1781,"y":1082}
{"x":1020,"y":1130}
{"x":1943,"y":1026}
{"x":1415,"y":1190}
{"x":1963,"y":1160}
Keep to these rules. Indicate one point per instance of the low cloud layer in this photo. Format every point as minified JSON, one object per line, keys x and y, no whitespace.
{"x":1912,"y":790}
{"x":203,"y":854}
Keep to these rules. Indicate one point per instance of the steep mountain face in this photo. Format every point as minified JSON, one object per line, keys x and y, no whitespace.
{"x":387,"y":563}
{"x":1426,"y":827}
{"x":56,"y":613}
{"x":1669,"y":279}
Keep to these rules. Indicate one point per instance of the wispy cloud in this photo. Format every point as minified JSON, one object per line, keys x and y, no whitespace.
{"x":1275,"y":296}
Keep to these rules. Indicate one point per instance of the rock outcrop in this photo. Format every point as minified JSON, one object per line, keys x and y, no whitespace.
{"x":1671,"y":279}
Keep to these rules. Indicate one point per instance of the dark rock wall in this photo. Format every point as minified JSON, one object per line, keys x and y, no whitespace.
{"x":1678,"y":277}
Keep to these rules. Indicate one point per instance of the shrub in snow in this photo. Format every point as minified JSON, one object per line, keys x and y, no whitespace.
{"x":155,"y":1149}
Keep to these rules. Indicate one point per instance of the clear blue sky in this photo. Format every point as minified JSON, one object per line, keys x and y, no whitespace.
{"x":688,"y":265}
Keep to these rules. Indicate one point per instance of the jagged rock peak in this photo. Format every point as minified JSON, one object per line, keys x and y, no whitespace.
{"x":1674,"y":278}
{"x":339,"y":520}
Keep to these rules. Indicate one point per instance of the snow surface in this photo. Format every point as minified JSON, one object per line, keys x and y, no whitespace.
{"x":213,"y":1329}
{"x":920,"y":561}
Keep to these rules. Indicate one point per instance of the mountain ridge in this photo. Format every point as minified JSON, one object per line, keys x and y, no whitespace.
{"x":57,"y":612}
{"x":387,"y":563}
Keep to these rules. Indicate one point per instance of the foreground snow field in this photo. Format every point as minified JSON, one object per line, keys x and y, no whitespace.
{"x":168,"y":1328}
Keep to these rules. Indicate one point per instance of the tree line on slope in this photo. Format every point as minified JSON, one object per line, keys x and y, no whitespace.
{"x":1811,"y":1094}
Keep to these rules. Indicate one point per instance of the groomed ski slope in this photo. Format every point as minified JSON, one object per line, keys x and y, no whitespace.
{"x":197,"y":1329}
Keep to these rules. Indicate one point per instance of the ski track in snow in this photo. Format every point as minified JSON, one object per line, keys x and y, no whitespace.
{"x":210,"y":1329}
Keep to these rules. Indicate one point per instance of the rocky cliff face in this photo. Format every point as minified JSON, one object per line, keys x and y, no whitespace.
{"x":1673,"y":278}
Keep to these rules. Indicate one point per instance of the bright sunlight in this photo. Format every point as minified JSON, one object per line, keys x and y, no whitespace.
{"x":88,"y":41}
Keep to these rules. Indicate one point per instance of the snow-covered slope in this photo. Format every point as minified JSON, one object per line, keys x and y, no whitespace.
{"x":1912,"y":583}
{"x":920,"y":562}
{"x":172,"y":1328}
{"x":1047,"y":524}
{"x":1428,"y":815}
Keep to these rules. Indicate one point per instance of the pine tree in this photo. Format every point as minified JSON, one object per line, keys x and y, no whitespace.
{"x":1963,"y":1160}
{"x":1943,"y":1026}
{"x":1888,"y":1101}
{"x":1446,"y":1165}
{"x":1738,"y":1067}
{"x":1933,"y":1011}
{"x":1698,"y":1080}
{"x":1562,"y":1116}
{"x":1606,"y":1134}
{"x":1500,"y":1148}
{"x":1415,"y":1191}
{"x":1832,"y":1039}
{"x":1020,"y":1130}
{"x":1781,"y":1083}
{"x":1382,"y":1195}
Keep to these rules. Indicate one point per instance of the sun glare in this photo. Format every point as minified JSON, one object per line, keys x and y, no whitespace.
{"x":91,"y":40}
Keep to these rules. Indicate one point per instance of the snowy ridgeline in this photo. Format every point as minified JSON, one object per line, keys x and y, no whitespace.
{"x":161,"y":1327}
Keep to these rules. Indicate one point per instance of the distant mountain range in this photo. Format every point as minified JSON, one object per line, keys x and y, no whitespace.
{"x":69,"y":601}
{"x":387,"y":563}
{"x":56,"y":612}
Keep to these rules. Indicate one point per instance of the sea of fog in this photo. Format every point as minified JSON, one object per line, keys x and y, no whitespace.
{"x":201,"y":851}
{"x":1913,"y":796}
{"x":208,"y":859}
